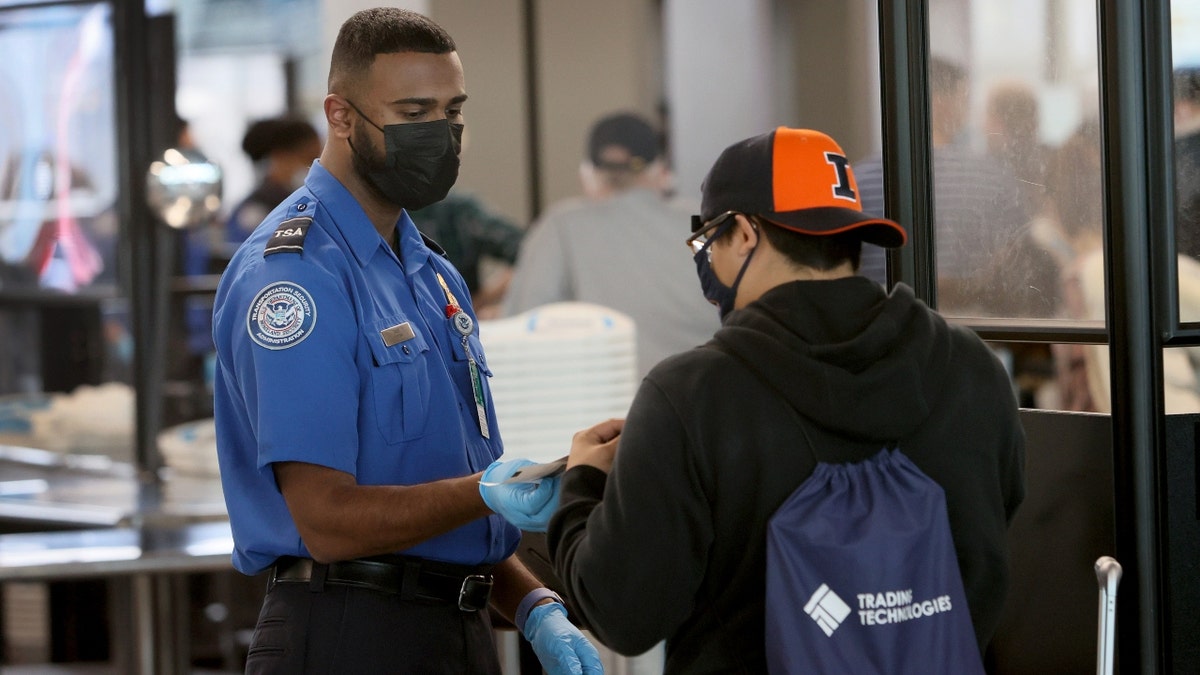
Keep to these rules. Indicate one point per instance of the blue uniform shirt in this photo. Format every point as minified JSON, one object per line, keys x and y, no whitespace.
{"x":332,"y":350}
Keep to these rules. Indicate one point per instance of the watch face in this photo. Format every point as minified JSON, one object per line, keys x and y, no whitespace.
{"x":462,"y":323}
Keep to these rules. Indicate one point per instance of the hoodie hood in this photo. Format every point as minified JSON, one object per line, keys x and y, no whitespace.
{"x":849,"y":357}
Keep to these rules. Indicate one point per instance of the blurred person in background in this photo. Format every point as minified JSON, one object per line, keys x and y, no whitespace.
{"x":1027,"y":273}
{"x":1074,"y":215}
{"x":1011,"y":127}
{"x":979,"y":211}
{"x":282,"y":149}
{"x":613,"y":246}
{"x":481,"y":244}
{"x":1075,"y":183}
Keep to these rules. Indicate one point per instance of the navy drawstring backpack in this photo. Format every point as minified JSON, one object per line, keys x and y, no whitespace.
{"x":862,"y":576}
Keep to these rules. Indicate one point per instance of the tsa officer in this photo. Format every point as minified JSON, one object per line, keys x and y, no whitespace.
{"x":353,"y":412}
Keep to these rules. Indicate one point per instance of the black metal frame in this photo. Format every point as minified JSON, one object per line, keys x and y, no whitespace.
{"x":1134,"y":38}
{"x":146,"y":125}
{"x":1134,"y":140}
{"x":533,"y":126}
{"x":907,"y":168}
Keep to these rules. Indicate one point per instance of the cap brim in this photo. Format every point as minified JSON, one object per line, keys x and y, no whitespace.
{"x":833,"y":220}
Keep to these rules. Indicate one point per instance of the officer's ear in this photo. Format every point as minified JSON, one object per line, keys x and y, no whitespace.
{"x":339,"y":115}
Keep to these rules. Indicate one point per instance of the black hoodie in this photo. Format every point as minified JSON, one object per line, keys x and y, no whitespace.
{"x":671,"y":544}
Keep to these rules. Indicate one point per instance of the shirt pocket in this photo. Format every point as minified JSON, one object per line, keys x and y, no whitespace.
{"x":399,"y":379}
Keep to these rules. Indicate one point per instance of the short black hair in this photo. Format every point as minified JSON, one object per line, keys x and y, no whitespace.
{"x":266,"y":136}
{"x":631,"y":133}
{"x":820,"y":252}
{"x":382,"y":30}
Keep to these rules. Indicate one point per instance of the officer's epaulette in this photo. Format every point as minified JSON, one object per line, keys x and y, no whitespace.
{"x":289,"y":236}
{"x":434,"y":246}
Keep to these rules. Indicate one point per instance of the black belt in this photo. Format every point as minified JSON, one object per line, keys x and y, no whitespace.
{"x":410,"y":578}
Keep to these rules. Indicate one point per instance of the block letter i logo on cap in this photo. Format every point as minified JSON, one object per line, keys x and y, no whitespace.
{"x":841,"y":189}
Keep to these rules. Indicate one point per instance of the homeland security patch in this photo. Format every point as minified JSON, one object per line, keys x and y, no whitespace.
{"x":281,"y":316}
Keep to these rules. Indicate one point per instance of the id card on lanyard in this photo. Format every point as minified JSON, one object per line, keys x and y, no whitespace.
{"x":464,"y":325}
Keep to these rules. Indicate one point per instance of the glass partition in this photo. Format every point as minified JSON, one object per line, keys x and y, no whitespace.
{"x":65,"y":341}
{"x":1015,"y":142}
{"x":58,"y":176}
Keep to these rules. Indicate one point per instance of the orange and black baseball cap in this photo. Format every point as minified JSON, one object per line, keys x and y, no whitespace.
{"x":798,"y":179}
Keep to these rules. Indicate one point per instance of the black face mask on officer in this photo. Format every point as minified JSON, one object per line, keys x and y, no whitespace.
{"x":420,"y":161}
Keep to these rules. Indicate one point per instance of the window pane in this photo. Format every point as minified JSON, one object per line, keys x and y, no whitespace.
{"x":65,"y":344}
{"x":1016,"y":147}
{"x":1070,"y":377}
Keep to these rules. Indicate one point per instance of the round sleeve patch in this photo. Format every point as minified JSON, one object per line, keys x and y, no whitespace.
{"x":281,"y":316}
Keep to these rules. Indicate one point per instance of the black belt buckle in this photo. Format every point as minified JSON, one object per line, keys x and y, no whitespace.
{"x":475,"y":591}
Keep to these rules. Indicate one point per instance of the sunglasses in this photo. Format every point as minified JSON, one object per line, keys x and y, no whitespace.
{"x":702,"y":232}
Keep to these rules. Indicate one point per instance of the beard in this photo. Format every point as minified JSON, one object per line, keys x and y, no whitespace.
{"x":366,"y":158}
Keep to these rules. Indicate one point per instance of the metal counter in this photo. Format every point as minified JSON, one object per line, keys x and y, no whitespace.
{"x":45,"y":489}
{"x":142,"y":537}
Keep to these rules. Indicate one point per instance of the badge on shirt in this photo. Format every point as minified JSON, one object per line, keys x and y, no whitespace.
{"x":281,"y":316}
{"x":462,"y":323}
{"x":402,"y":332}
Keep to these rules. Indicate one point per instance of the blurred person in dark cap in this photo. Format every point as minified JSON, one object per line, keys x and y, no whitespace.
{"x":612,"y":246}
{"x":282,"y":150}
{"x":661,"y":528}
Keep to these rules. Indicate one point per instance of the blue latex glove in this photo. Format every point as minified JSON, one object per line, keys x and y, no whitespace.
{"x":526,"y":505}
{"x":559,"y":645}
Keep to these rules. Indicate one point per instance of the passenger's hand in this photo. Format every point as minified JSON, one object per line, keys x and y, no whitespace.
{"x":560,"y":647}
{"x":596,"y":446}
{"x":526,"y":505}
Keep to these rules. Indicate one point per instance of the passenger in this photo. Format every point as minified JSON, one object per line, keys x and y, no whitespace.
{"x":978,"y":207}
{"x":1076,"y":188}
{"x":1028,"y":271}
{"x":614,"y":246}
{"x":1075,"y":212}
{"x":346,"y":347}
{"x":661,"y":529}
{"x":1011,"y":127}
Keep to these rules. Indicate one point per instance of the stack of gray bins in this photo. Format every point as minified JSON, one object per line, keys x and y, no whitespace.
{"x":557,"y":369}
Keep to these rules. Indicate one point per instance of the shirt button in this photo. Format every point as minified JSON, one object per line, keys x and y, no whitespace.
{"x":301,"y":206}
{"x":406,"y":350}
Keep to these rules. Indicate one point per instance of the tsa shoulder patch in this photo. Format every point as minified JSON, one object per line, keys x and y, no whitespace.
{"x":289,"y":236}
{"x":281,"y":316}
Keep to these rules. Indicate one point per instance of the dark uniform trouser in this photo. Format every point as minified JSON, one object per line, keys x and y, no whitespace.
{"x":306,"y":628}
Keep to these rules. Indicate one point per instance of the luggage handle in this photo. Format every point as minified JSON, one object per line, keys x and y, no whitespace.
{"x":1108,"y":575}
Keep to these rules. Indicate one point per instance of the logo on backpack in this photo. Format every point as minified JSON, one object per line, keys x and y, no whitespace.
{"x":827,"y":609}
{"x":880,"y":609}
